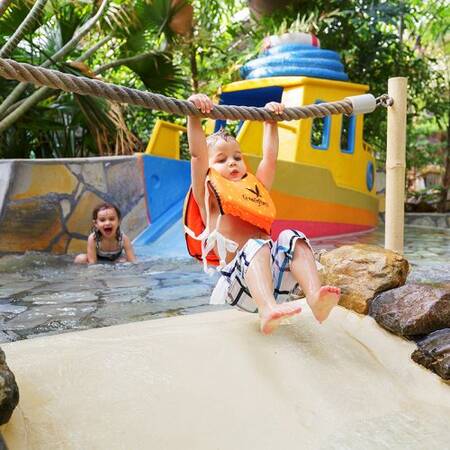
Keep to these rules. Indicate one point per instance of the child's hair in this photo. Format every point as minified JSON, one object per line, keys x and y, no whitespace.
{"x":221,"y":134}
{"x":102,"y":207}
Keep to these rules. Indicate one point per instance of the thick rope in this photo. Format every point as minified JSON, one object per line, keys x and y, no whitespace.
{"x":13,"y":70}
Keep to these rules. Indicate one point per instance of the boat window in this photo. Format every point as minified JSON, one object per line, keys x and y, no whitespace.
{"x":348,"y":134}
{"x":248,"y":97}
{"x":320,"y":131}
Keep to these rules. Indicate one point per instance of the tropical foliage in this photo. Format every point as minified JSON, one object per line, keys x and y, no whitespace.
{"x":176,"y":46}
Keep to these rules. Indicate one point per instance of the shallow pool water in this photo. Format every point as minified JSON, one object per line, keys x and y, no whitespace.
{"x":42,"y":294}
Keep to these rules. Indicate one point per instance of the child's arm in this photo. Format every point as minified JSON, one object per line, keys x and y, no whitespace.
{"x":198,"y":149}
{"x":128,"y":247}
{"x":91,"y":249}
{"x":266,"y":169}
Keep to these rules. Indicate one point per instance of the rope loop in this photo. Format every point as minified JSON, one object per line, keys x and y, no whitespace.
{"x":384,"y":100}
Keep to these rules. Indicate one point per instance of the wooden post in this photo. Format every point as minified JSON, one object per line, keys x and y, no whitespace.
{"x":395,"y":165}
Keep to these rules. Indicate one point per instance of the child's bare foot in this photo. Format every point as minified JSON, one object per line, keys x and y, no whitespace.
{"x":271,"y":318}
{"x":323,"y":301}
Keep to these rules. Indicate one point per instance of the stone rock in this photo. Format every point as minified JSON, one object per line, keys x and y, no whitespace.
{"x":75,"y":168}
{"x":441,"y":221}
{"x":9,"y":392}
{"x":34,"y":180}
{"x":47,"y":316}
{"x":66,"y":207}
{"x":77,"y":246}
{"x":30,"y":224}
{"x":79,"y":191}
{"x":67,"y":295}
{"x":5,"y":177}
{"x":94,"y":175}
{"x":60,"y":246}
{"x":362,"y":271}
{"x":9,"y":308}
{"x":125,"y":183}
{"x":136,"y":220}
{"x":8,"y":336}
{"x":80,"y":221}
{"x":413,"y":309}
{"x":434,"y":353}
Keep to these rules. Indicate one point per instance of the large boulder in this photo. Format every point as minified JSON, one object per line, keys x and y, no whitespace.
{"x":413,"y":309}
{"x":362,"y":271}
{"x":9,"y":392}
{"x":434,"y":353}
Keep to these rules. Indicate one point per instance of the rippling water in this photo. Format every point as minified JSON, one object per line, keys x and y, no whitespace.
{"x":44,"y":294}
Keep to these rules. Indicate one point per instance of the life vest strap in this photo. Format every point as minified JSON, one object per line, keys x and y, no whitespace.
{"x":209,"y":239}
{"x":209,"y":242}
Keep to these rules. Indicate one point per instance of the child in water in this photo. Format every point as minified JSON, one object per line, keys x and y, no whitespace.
{"x":107,"y":243}
{"x":236,"y":213}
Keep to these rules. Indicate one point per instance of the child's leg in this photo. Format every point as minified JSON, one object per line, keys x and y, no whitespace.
{"x":321,"y":299}
{"x":258,"y":278}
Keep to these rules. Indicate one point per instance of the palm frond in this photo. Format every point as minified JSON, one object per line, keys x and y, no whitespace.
{"x":13,"y":17}
{"x":158,"y":72}
{"x":118,"y":19}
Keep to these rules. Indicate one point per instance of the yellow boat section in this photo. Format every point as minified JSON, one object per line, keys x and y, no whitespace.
{"x":325,"y":183}
{"x":348,"y":169}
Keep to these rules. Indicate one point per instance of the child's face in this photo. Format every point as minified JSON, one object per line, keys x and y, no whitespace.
{"x":107,"y":222}
{"x":226,"y":158}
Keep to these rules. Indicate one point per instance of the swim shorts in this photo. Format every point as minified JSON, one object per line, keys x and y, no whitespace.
{"x":232,"y":288}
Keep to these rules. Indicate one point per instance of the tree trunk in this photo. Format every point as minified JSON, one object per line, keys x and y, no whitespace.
{"x":194,"y":68}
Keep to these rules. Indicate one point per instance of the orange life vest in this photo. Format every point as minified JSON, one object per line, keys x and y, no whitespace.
{"x":247,"y":199}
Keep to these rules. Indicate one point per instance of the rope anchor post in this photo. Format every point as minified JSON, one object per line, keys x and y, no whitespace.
{"x":396,"y":164}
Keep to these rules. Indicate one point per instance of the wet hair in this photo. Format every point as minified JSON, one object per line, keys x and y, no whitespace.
{"x":221,"y":134}
{"x":102,"y":207}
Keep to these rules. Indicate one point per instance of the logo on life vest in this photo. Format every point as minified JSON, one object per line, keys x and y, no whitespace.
{"x":256,"y":200}
{"x":256,"y":191}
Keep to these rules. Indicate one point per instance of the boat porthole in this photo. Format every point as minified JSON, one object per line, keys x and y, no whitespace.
{"x":370,"y":176}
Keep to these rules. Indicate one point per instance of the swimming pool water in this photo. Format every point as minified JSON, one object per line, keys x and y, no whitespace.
{"x":43,"y":294}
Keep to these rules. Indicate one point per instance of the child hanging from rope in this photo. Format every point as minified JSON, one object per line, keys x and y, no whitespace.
{"x":228,"y":218}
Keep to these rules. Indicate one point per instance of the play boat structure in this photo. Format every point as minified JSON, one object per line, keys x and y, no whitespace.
{"x":325,"y":181}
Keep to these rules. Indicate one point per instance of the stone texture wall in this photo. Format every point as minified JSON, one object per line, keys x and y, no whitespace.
{"x":435,"y":220}
{"x":46,"y":205}
{"x":427,"y":220}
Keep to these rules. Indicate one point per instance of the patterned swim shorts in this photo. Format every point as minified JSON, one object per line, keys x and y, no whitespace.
{"x":232,"y":288}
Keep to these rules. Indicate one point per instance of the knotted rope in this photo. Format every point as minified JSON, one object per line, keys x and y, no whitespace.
{"x":13,"y":70}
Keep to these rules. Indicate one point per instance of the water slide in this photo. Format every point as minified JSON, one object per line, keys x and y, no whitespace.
{"x":212,"y":381}
{"x":166,"y":184}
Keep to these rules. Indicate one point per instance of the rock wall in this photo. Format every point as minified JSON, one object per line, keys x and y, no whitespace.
{"x":425,"y":220}
{"x":9,"y":391}
{"x":428,"y":220}
{"x":46,"y":205}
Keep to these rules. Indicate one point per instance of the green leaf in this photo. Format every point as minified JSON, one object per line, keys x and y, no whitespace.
{"x":158,"y":73}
